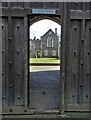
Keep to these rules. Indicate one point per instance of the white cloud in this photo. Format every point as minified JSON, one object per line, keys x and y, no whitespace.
{"x":41,"y":27}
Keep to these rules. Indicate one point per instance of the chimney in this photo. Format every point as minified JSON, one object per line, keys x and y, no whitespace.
{"x":55,"y":30}
{"x":34,"y":37}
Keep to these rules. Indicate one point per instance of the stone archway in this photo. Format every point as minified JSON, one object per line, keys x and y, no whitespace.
{"x":52,"y":89}
{"x":35,"y":18}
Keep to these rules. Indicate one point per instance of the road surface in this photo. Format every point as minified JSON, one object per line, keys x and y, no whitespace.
{"x":44,"y":87}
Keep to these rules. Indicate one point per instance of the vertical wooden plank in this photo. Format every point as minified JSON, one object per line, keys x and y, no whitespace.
{"x":30,"y":5}
{"x":38,"y":5}
{"x":90,"y":64}
{"x":14,"y":4}
{"x":54,"y":5}
{"x":5,"y":61}
{"x":0,"y":61}
{"x":86,"y":65}
{"x":10,"y":58}
{"x":79,"y":5}
{"x":76,"y":5}
{"x":22,"y":57}
{"x":10,"y":4}
{"x":67,"y":59}
{"x":33,"y":4}
{"x":89,"y":5}
{"x":83,"y":6}
{"x":67,"y":41}
{"x":73,"y":5}
{"x":74,"y":60}
{"x":44,"y":5}
{"x":10,"y":63}
{"x":4,"y":4}
{"x":18,"y":60}
{"x":26,"y":62}
{"x":20,"y":4}
{"x":26,"y":5}
{"x":81,"y":62}
{"x":62,"y":68}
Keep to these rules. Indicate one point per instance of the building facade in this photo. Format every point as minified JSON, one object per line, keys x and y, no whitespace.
{"x":35,"y":48}
{"x":47,"y":46}
{"x":50,"y":42}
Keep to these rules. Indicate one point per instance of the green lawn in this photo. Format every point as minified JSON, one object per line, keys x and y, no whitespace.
{"x":44,"y":60}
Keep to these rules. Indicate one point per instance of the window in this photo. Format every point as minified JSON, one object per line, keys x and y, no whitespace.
{"x":50,"y":42}
{"x":45,"y":53}
{"x":54,"y":53}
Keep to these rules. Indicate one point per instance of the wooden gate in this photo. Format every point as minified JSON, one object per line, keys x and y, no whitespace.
{"x":76,"y":39}
{"x":76,"y":59}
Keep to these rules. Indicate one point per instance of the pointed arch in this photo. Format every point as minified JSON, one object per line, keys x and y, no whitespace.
{"x":33,"y":19}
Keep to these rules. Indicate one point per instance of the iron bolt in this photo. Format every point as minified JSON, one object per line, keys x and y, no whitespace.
{"x":88,"y":52}
{"x":19,"y":97}
{"x":3,"y":51}
{"x":75,"y":27}
{"x":3,"y":97}
{"x":2,"y":25}
{"x":10,"y":38}
{"x":80,"y":85}
{"x":82,"y":40}
{"x":10,"y":85}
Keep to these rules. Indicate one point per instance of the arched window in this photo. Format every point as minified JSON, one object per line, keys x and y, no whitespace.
{"x":50,"y":42}
{"x":45,"y":53}
{"x":54,"y":53}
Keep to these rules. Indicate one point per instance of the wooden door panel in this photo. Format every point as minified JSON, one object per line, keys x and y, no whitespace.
{"x":5,"y":85}
{"x":18,"y":34}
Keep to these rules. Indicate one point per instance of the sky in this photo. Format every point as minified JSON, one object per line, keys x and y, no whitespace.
{"x":39,"y":28}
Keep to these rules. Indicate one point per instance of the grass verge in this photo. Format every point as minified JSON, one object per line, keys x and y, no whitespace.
{"x":45,"y":60}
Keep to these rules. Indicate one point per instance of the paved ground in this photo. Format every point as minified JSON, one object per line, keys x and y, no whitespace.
{"x":44,"y":87}
{"x":44,"y":68}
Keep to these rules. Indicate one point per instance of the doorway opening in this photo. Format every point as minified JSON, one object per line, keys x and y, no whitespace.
{"x":44,"y":63}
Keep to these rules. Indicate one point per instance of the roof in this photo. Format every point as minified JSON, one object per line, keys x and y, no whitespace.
{"x":48,"y":32}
